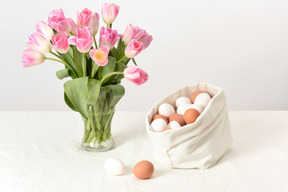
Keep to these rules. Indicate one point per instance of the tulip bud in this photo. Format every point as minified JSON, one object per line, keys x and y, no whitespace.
{"x":44,"y":30}
{"x":39,"y":43}
{"x":31,"y":57}
{"x":109,"y":12}
{"x":128,"y":35}
{"x":60,"y":43}
{"x":133,"y":48}
{"x":83,"y":40}
{"x":135,"y":75}
{"x":108,"y":37}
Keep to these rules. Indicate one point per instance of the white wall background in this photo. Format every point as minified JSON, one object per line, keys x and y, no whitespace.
{"x":241,"y":46}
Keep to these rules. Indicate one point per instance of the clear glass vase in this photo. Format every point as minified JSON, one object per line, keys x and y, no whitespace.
{"x":97,"y":127}
{"x":97,"y":132}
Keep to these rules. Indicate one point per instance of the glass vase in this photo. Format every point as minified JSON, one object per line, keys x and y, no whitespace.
{"x":97,"y":127}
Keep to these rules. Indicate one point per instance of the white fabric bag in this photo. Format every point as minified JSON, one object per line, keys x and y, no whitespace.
{"x":198,"y":145}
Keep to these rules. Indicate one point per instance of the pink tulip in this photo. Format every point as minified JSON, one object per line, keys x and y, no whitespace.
{"x":109,"y":12}
{"x":39,"y":43}
{"x":31,"y":57}
{"x":129,"y":34}
{"x":144,"y":37}
{"x":100,"y":56}
{"x":83,"y":41}
{"x":44,"y":30}
{"x":73,"y":26}
{"x":88,"y":19}
{"x":84,"y":18}
{"x":135,"y":75}
{"x":134,"y":32}
{"x":59,"y":22}
{"x":60,"y":43}
{"x":133,"y":48}
{"x":94,"y":23}
{"x":108,"y":37}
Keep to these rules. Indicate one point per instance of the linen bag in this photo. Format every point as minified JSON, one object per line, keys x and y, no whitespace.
{"x":198,"y":145}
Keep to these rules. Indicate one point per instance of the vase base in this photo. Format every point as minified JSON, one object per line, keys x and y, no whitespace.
{"x":95,"y":147}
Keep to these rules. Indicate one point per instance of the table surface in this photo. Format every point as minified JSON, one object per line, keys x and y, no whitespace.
{"x":40,"y":151}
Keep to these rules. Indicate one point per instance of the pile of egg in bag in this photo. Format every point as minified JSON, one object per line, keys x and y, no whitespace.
{"x":186,"y":112}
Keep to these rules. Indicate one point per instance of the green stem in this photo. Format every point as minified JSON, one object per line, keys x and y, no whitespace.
{"x":95,"y":43}
{"x":108,"y":75}
{"x":84,"y":65}
{"x":66,"y":64}
{"x":124,"y":57}
{"x":62,"y":61}
{"x":73,"y":62}
{"x":134,"y":61}
{"x":55,"y":55}
{"x":94,"y":69}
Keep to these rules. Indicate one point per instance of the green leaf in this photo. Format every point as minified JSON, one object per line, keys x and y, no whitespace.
{"x":77,"y":90}
{"x":93,"y":91}
{"x":63,"y":73}
{"x":108,"y":68}
{"x":68,"y":102}
{"x":120,"y":46}
{"x":78,"y":60}
{"x":117,"y":92}
{"x":114,"y":52}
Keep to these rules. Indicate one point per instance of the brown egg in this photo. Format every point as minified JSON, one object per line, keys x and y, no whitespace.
{"x":143,"y":169}
{"x":158,"y":116}
{"x":177,"y":117}
{"x":166,"y":129}
{"x":195,"y":94}
{"x":191,"y":115}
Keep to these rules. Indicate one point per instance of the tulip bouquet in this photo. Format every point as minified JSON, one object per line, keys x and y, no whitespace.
{"x":96,"y":72}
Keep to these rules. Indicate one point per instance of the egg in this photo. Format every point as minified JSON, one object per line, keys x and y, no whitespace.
{"x":143,"y":169}
{"x":197,"y":107}
{"x":166,"y":109}
{"x":195,"y":94}
{"x":173,"y":125}
{"x":191,"y":115}
{"x":182,"y":100}
{"x":203,"y":99}
{"x":177,"y":117}
{"x":182,"y":108}
{"x":158,"y":116}
{"x":166,"y":129}
{"x":114,"y":166}
{"x":158,"y":125}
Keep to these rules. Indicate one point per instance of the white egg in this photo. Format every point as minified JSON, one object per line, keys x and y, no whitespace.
{"x":184,"y":107}
{"x":114,"y":166}
{"x":158,"y":125}
{"x":182,"y":100}
{"x":166,"y":109}
{"x":174,"y":124}
{"x":203,"y":99}
{"x":198,"y":107}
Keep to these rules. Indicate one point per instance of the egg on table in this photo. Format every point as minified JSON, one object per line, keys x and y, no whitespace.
{"x":143,"y":169}
{"x":114,"y":166}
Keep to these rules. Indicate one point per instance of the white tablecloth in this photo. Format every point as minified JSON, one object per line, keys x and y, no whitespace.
{"x":40,"y":151}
